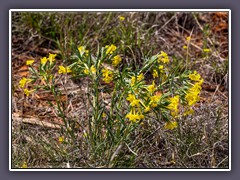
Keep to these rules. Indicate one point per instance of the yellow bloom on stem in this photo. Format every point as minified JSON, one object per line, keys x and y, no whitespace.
{"x":163,"y":57}
{"x":61,"y":139}
{"x":194,"y":76}
{"x":147,"y":109}
{"x":29,"y":62}
{"x":27,"y":92}
{"x":93,"y":69}
{"x":161,"y":67}
{"x":140,"y":77}
{"x":173,"y":106}
{"x":192,"y":95}
{"x":188,"y":38}
{"x":134,"y":117}
{"x":86,"y":71}
{"x":110,"y":49}
{"x":44,"y":60}
{"x":23,"y":82}
{"x":206,"y":50}
{"x":154,"y":100}
{"x":121,"y":18}
{"x":82,"y":50}
{"x":184,"y":47}
{"x":116,"y":60}
{"x":108,"y":75}
{"x":188,"y":112}
{"x":133,"y":100}
{"x":155,"y":73}
{"x":133,"y":80}
{"x":63,"y":70}
{"x":171,"y":125}
{"x":151,"y":88}
{"x":51,"y":57}
{"x":24,"y":165}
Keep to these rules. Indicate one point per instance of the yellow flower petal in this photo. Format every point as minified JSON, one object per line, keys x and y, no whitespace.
{"x":29,"y":62}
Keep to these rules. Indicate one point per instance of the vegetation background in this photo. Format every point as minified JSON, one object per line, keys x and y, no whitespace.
{"x":201,"y":141}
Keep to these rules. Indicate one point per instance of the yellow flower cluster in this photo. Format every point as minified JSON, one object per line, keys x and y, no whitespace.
{"x":82,"y":50}
{"x":135,"y":104}
{"x":92,"y":70}
{"x":134,"y":79}
{"x":133,"y":101}
{"x":27,"y":92}
{"x":110,"y":49}
{"x":163,"y":57}
{"x":108,"y":75}
{"x":155,"y":73}
{"x":23,"y":82}
{"x":173,"y":106}
{"x":63,"y":70}
{"x":195,"y":76}
{"x":116,"y":60}
{"x":192,"y":95}
{"x":51,"y":59}
{"x":134,"y":117}
{"x":154,"y":100}
{"x":170,"y":125}
{"x":151,"y":88}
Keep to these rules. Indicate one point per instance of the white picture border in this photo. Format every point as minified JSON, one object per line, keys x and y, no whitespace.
{"x":114,"y":10}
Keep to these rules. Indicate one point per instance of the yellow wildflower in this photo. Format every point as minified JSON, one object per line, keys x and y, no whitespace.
{"x":173,"y":106}
{"x":51,"y":57}
{"x":134,"y":117}
{"x":110,"y":49}
{"x":63,"y":70}
{"x":155,"y":73}
{"x":85,"y":134}
{"x":154,"y":100}
{"x":27,"y":92}
{"x":121,"y":18}
{"x":93,"y":69}
{"x":171,"y":125}
{"x":29,"y":62}
{"x":161,"y":67}
{"x":206,"y":50}
{"x":116,"y":60}
{"x":184,"y":47}
{"x":151,"y":88}
{"x":23,"y":82}
{"x":192,"y":95}
{"x":195,"y":76}
{"x":24,"y":165}
{"x":133,"y":101}
{"x":140,"y":77}
{"x":188,"y":38}
{"x":108,"y":75}
{"x":163,"y":57}
{"x":61,"y":139}
{"x":82,"y":50}
{"x":188,"y":112}
{"x":147,"y":109}
{"x":104,"y":115}
{"x":86,"y":71}
{"x":44,"y":60}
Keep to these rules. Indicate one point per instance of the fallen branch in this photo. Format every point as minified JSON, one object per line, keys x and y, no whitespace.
{"x":34,"y":121}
